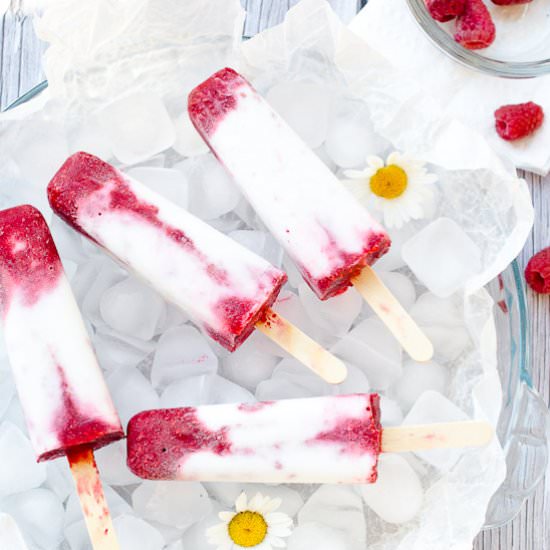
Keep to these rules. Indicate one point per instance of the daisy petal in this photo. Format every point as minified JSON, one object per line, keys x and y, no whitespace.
{"x":271,"y":505}
{"x":226,"y":516}
{"x":241,"y":502}
{"x":277,"y":517}
{"x":356,"y":174}
{"x":277,"y":542}
{"x":255,"y":503}
{"x":281,"y":532}
{"x":375,"y":162}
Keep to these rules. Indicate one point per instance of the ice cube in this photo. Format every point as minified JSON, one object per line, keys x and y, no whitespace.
{"x":132,"y":308}
{"x":291,"y":380}
{"x":10,"y":534}
{"x":227,"y":494}
{"x":338,"y":507}
{"x":371,"y":347}
{"x":188,"y":141}
{"x":397,"y":495}
{"x":111,"y":462}
{"x":431,"y":310}
{"x":67,"y":241}
{"x":19,"y":471}
{"x":448,"y":342}
{"x":212,"y":193}
{"x":137,"y":126}
{"x":176,"y":504}
{"x":443,"y":257}
{"x":60,"y":480}
{"x":416,"y":379}
{"x":305,"y":107}
{"x":204,"y":390}
{"x":401,"y":287}
{"x":432,"y":407}
{"x":182,"y":352}
{"x":355,"y":382}
{"x":169,"y":183}
{"x":294,"y":277}
{"x":76,"y":536}
{"x":393,"y":259}
{"x":316,"y":535}
{"x":261,"y":243}
{"x":131,"y":392}
{"x":14,"y":414}
{"x":117,"y":506}
{"x":39,"y":149}
{"x":112,"y":352}
{"x":249,"y":365}
{"x":351,"y":138}
{"x":90,"y":137}
{"x":134,"y":533}
{"x":39,"y":513}
{"x":7,"y":390}
{"x":195,"y":537}
{"x":391,"y":413}
{"x":335,"y":315}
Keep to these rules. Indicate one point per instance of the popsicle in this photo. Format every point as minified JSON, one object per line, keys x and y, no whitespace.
{"x":331,"y":238}
{"x":312,"y":440}
{"x":67,"y":405}
{"x":225,"y":288}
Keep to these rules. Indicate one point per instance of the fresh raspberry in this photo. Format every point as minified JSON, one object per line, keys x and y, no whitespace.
{"x":475,"y":28}
{"x":517,"y":121}
{"x":445,"y":10}
{"x":510,"y":2}
{"x":537,"y":272}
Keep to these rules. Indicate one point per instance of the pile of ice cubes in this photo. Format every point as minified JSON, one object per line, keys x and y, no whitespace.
{"x":153,"y":357}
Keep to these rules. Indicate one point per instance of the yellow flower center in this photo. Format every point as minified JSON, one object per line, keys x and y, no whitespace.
{"x":247,"y":529}
{"x":389,"y":182}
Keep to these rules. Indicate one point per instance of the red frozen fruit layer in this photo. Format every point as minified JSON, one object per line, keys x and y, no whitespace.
{"x":358,"y":436}
{"x":241,"y":315}
{"x":518,"y":121}
{"x":29,"y":262}
{"x":537,"y":272}
{"x":475,"y":28}
{"x":347,"y":266}
{"x":159,"y":441}
{"x":77,"y":428}
{"x":210,"y":101}
{"x":445,"y":10}
{"x":76,"y":186}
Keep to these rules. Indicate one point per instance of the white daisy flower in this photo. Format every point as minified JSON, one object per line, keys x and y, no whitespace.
{"x":254,"y":524}
{"x":401,"y":188}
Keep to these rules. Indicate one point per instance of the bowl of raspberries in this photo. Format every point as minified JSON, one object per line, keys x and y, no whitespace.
{"x":509,"y":38}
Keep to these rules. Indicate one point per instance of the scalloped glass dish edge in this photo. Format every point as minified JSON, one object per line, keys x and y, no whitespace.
{"x":524,"y":423}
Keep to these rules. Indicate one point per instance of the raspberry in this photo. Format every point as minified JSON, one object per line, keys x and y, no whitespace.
{"x":475,"y":28}
{"x":537,"y":272}
{"x":510,"y":2}
{"x":518,"y":121}
{"x":445,"y":10}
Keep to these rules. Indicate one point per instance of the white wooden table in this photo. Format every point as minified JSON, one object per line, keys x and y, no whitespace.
{"x":20,"y":70}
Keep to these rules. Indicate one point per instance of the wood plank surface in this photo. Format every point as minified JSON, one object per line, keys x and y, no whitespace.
{"x":20,"y":70}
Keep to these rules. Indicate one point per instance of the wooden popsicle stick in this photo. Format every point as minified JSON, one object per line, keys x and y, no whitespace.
{"x":303,"y":348}
{"x":92,"y":499}
{"x":447,"y":435}
{"x":392,"y":314}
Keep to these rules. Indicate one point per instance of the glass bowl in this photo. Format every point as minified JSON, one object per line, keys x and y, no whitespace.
{"x":524,"y":423}
{"x":522,"y":46}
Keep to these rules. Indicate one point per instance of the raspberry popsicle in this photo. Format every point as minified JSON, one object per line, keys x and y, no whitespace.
{"x":327,"y":233}
{"x":312,"y":440}
{"x":66,"y":403}
{"x":225,"y":288}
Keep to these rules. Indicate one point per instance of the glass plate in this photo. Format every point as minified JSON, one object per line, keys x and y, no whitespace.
{"x":524,"y":423}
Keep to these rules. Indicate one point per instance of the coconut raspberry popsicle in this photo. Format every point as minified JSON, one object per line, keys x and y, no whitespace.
{"x":225,"y":288}
{"x":67,"y":406}
{"x":327,"y":233}
{"x":336,"y":440}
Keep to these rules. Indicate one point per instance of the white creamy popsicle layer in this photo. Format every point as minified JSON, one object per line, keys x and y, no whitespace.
{"x":312,"y":440}
{"x":224,"y":287}
{"x":64,"y":397}
{"x":326,"y":232}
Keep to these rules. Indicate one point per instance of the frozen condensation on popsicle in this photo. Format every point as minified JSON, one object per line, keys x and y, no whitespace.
{"x":60,"y":384}
{"x":312,"y":440}
{"x":225,"y":288}
{"x":330,"y":236}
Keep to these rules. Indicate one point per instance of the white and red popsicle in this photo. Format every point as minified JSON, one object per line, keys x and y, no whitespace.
{"x":334,"y":439}
{"x":325,"y":231}
{"x":66,"y":403}
{"x":226,"y":289}
{"x":314,"y":440}
{"x":330,"y":237}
